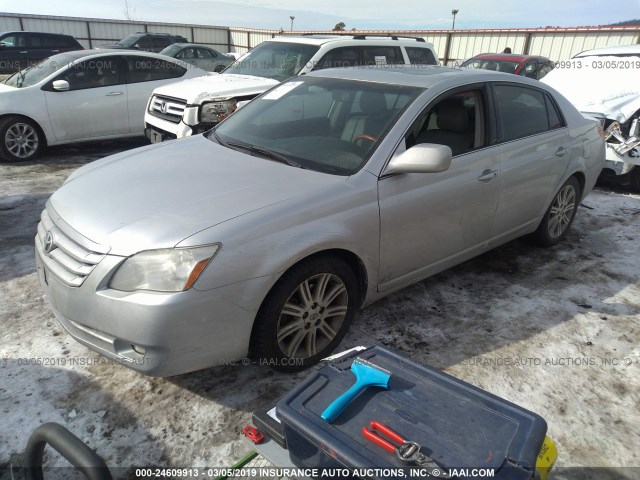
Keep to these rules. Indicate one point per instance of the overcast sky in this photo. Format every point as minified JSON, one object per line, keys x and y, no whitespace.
{"x":361,"y":14}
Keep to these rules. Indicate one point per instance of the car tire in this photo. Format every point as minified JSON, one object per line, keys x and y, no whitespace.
{"x":20,"y":139}
{"x":305,"y":315}
{"x":558,"y":218}
{"x":634,"y":177}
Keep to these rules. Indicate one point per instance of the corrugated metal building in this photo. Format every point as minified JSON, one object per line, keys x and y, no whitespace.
{"x":451,"y":45}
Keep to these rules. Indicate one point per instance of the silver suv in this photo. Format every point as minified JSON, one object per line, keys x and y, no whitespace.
{"x":190,"y":107}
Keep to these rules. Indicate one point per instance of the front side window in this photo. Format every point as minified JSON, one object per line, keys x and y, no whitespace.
{"x":147,"y":69}
{"x":15,"y":40}
{"x":323,"y":124}
{"x":129,"y":40}
{"x":93,"y":73}
{"x":276,"y":60}
{"x":522,"y":111}
{"x":421,"y":56}
{"x":457,"y":121}
{"x":187,"y":53}
{"x":339,"y":58}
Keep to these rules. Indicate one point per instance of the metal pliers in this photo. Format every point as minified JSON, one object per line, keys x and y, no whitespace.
{"x":407,"y":451}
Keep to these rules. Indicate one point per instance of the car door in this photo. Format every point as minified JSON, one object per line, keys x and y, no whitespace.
{"x":144,"y":74}
{"x":429,"y":221}
{"x":95,"y":106}
{"x":535,"y":151}
{"x":207,"y":59}
{"x":42,"y":45}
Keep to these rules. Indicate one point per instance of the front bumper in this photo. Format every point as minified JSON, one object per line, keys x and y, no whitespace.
{"x":620,"y":164}
{"x":176,"y":332}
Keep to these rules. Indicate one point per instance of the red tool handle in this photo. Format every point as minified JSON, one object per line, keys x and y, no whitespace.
{"x":378,"y":440}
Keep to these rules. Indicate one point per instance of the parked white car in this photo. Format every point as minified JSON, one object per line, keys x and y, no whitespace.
{"x":605,"y":83}
{"x":80,"y":96}
{"x":187,"y":108}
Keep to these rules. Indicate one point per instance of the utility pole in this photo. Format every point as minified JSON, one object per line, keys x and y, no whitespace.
{"x":454,"y":13}
{"x":292,"y":19}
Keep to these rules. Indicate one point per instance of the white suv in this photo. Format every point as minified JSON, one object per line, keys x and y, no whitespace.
{"x":189,"y":107}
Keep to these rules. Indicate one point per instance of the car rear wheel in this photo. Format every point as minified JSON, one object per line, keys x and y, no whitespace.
{"x":306,"y":314}
{"x":560,"y":214}
{"x":20,"y":139}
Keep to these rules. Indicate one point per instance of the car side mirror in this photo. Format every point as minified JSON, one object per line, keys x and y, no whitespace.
{"x":60,"y":85}
{"x":421,"y":158}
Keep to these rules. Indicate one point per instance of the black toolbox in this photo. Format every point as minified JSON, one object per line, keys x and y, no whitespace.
{"x":459,"y":426}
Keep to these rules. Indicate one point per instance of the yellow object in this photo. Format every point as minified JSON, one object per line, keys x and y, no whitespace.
{"x":546,"y":458}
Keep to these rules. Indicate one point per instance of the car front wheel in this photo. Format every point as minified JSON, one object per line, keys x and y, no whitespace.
{"x":20,"y":139}
{"x":306,"y":314}
{"x":560,"y":214}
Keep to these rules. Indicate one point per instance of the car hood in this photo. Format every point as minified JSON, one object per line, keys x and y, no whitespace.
{"x":613,"y":92}
{"x":222,"y":85}
{"x":157,"y":196}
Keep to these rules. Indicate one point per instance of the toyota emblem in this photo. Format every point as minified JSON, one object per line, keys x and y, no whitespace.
{"x":163,"y":107}
{"x":48,"y":242}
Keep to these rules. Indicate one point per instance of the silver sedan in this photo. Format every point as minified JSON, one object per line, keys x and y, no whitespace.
{"x":265,"y":235}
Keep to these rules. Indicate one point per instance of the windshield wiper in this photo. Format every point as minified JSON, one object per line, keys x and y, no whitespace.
{"x":266,"y":153}
{"x":217,"y":137}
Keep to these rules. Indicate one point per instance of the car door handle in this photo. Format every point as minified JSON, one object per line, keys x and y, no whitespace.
{"x":488,"y":175}
{"x":24,"y":52}
{"x":113,"y":94}
{"x":55,"y":51}
{"x":561,"y":152}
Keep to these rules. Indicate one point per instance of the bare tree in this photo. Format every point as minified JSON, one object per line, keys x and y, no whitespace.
{"x":129,"y":12}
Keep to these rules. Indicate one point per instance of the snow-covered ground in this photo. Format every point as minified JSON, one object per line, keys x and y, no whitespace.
{"x":554,"y":330}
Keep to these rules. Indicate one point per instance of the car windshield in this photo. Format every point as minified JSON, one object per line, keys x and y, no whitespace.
{"x":41,"y":70}
{"x":171,"y":50}
{"x":497,"y":65}
{"x":129,"y":40}
{"x":276,"y":60}
{"x":323,"y":124}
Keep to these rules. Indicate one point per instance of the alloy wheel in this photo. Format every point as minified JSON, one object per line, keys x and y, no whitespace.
{"x":562,"y":211}
{"x":21,"y":140}
{"x":312,"y":315}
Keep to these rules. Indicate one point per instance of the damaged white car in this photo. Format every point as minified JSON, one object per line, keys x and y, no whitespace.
{"x":605,"y":83}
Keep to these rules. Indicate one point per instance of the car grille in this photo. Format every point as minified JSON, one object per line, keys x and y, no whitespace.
{"x":167,"y":108}
{"x":69,"y":259}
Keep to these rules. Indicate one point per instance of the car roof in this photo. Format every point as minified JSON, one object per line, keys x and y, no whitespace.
{"x":183,"y":44}
{"x":32,"y":31}
{"x":350,"y":39}
{"x":79,"y":54}
{"x":511,"y":57}
{"x":633,"y":49}
{"x":423,"y":76}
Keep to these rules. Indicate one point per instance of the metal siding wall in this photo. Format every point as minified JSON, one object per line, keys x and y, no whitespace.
{"x":468,"y":44}
{"x":111,"y":31}
{"x":564,"y":45}
{"x":259,"y":37}
{"x":171,"y":29}
{"x":50,"y":25}
{"x":216,"y":37}
{"x":9,"y":24}
{"x":560,"y":44}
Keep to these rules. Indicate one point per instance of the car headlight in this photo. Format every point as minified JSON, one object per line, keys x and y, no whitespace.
{"x":166,"y":270}
{"x":216,"y":111}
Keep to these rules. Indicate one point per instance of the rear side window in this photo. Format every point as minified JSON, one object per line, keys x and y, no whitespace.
{"x":421,"y":56}
{"x":146,"y":69}
{"x":382,"y":55}
{"x":524,"y":111}
{"x":204,"y":53}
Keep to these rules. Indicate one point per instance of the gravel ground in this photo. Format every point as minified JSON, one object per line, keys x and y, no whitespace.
{"x":554,"y":330}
